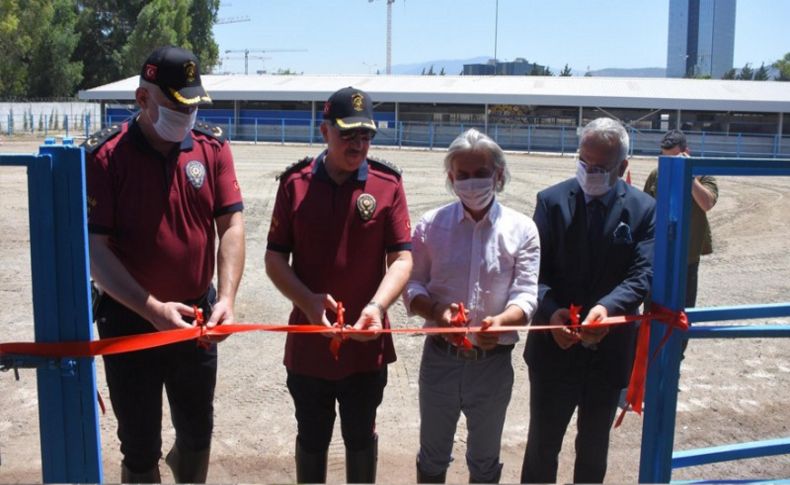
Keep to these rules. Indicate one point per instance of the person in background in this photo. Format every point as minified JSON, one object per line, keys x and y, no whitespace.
{"x":704,"y":194}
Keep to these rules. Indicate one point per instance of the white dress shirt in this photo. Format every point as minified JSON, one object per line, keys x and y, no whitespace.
{"x":488,"y":265}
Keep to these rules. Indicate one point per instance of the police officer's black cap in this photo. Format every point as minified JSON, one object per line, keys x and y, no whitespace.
{"x":674,"y":138}
{"x":350,"y":108}
{"x":177,"y":73}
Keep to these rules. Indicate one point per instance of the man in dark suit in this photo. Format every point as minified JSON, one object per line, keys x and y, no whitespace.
{"x":597,"y":236}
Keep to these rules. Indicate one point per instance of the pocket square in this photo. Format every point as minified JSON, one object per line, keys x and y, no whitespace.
{"x":622,"y":233}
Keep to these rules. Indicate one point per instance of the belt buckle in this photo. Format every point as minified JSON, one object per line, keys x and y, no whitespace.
{"x":466,"y":354}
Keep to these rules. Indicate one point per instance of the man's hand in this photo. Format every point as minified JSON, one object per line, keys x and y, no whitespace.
{"x":370,"y":318}
{"x":221,"y":313}
{"x":488,"y":341}
{"x":168,"y":315}
{"x":444,"y":314}
{"x":564,"y":336}
{"x":590,"y":333}
{"x":315,"y":310}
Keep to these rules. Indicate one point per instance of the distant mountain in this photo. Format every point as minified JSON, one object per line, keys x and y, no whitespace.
{"x":452,"y":67}
{"x":633,"y":72}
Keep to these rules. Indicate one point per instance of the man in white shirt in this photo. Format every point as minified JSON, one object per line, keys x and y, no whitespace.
{"x":480,"y":253}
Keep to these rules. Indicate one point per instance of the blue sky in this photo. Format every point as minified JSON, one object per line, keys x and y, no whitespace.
{"x":349,"y":36}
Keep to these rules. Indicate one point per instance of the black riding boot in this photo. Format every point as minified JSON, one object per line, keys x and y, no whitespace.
{"x":310,"y":467}
{"x":423,"y":477}
{"x":188,"y":466}
{"x":494,"y":479}
{"x":361,"y":464}
{"x":151,"y":476}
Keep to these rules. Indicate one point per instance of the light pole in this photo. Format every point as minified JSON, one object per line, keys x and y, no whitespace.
{"x":496,"y":28}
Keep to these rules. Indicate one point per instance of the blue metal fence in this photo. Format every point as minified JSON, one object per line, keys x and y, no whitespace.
{"x":669,"y":289}
{"x":68,"y":414}
{"x":528,"y":138}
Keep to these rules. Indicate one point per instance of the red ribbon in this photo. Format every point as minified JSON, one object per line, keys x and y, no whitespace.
{"x":458,"y":331}
{"x":635,"y":394}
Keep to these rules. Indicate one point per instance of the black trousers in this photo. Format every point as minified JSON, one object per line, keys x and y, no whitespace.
{"x":552,"y":402}
{"x":358,"y":396}
{"x":136,"y":379}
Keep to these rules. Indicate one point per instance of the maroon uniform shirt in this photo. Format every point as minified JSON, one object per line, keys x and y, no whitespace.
{"x":340,"y":248}
{"x":159,"y":211}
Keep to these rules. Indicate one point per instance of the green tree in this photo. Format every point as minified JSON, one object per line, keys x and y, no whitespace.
{"x":161,"y":22}
{"x":104,"y":27}
{"x":20,"y":29}
{"x":747,"y":73}
{"x":783,"y":66}
{"x":51,"y":72}
{"x":430,"y":71}
{"x":547,"y":71}
{"x":441,"y":73}
{"x":201,"y":36}
{"x":535,"y":71}
{"x":730,"y":74}
{"x":761,"y":74}
{"x":566,"y":71}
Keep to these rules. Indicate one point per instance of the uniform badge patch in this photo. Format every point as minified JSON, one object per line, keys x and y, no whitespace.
{"x":196,"y":173}
{"x":366,"y":206}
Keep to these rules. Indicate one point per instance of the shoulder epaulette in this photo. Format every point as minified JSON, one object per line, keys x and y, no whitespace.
{"x":99,"y":138}
{"x":213,"y":131}
{"x":387,"y":166}
{"x":294,"y":167}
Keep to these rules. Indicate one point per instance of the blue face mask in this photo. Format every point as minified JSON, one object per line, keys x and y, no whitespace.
{"x":594,"y":184}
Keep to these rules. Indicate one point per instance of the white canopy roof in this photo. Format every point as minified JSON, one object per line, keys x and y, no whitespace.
{"x":642,"y":93}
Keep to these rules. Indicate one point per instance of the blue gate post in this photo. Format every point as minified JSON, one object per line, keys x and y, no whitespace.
{"x":68,"y":414}
{"x":671,"y":243}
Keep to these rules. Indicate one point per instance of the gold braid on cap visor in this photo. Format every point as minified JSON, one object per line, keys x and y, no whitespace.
{"x":358,"y":124}
{"x":188,"y":101}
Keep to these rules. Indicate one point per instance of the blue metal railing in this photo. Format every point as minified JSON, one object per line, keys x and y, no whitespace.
{"x":669,"y":287}
{"x":529,"y":138}
{"x":68,"y":412}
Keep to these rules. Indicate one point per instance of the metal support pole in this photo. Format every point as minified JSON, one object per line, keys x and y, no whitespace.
{"x":68,"y":414}
{"x":669,"y":289}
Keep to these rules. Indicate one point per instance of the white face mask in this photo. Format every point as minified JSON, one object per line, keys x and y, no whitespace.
{"x":174,"y":125}
{"x":475,"y":193}
{"x":594,"y":184}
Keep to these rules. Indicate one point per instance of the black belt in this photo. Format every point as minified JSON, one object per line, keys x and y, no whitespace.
{"x":475,"y":353}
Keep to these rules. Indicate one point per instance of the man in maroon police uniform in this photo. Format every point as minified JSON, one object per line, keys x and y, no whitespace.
{"x":340,"y":232}
{"x":160,"y":189}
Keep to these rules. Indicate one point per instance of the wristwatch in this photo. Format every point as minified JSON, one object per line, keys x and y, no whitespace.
{"x":377,"y":305}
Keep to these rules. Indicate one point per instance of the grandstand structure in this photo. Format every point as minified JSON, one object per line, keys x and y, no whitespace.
{"x":743,"y":118}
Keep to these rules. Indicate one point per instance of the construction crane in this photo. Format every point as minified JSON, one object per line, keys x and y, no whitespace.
{"x":389,"y":34}
{"x":247,"y":52}
{"x":232,"y":20}
{"x":238,"y":58}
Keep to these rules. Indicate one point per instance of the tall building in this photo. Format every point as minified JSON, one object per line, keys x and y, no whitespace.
{"x":701,"y":38}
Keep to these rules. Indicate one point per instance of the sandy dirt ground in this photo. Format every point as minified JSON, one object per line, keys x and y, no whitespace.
{"x":731,"y":390}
